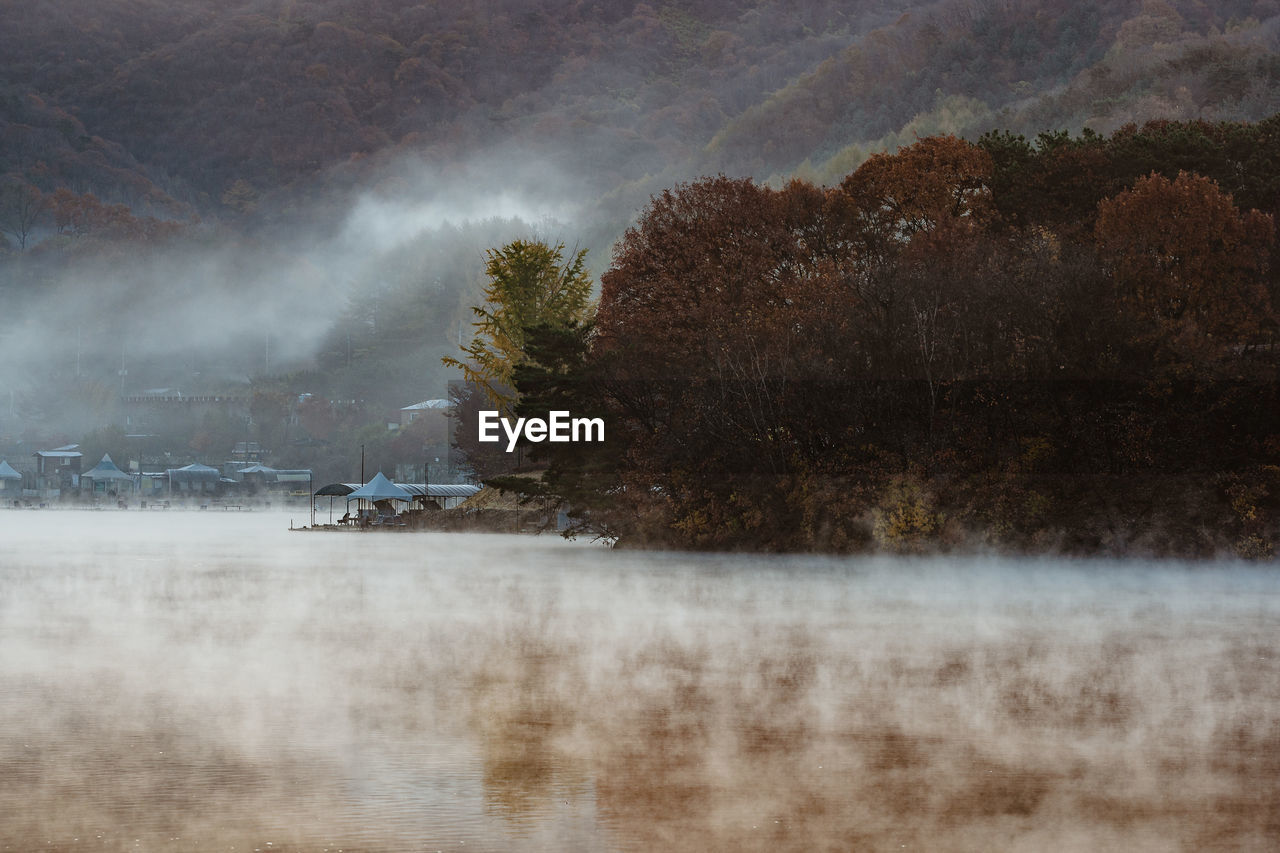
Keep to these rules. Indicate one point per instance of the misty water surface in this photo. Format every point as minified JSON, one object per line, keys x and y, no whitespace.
{"x":212,"y":681}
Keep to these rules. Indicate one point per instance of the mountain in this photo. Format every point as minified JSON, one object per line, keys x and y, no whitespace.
{"x":215,"y":104}
{"x":306,"y":187}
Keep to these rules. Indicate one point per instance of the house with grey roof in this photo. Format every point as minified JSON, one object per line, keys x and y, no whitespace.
{"x":57,"y":470}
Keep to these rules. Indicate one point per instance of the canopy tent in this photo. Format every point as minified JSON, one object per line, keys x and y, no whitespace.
{"x":106,"y":476}
{"x":440,"y":490}
{"x":10,"y":480}
{"x":337,"y":490}
{"x":380,"y":489}
{"x":420,"y":492}
{"x":259,"y":468}
{"x":106,"y":470}
{"x":381,"y":492}
{"x":417,"y":490}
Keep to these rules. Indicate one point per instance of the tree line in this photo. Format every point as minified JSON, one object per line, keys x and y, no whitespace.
{"x":1065,"y":344}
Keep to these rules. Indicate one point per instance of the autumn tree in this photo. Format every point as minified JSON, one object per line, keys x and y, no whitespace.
{"x":704,"y":266}
{"x":939,"y":335}
{"x":940,"y":178}
{"x":1187,"y":263}
{"x":530,"y":284}
{"x":710,"y":317}
{"x":85,"y":215}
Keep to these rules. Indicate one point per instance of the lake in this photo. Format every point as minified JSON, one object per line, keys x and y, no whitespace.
{"x":179,"y":681}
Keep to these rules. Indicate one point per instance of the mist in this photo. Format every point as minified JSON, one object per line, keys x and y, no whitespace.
{"x":219,"y":308}
{"x":218,"y":682}
{"x":294,"y":206}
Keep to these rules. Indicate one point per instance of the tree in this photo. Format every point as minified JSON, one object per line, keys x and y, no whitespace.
{"x":86,"y":215}
{"x":21,"y":206}
{"x":707,"y":325}
{"x":558,"y":376}
{"x":1187,"y":263}
{"x":529,"y":284}
{"x":939,"y":178}
{"x":1057,"y":183}
{"x":703,"y":269}
{"x":241,"y":197}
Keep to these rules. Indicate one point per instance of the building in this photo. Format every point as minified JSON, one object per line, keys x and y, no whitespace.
{"x":435,"y":411}
{"x":263,"y":480}
{"x":247,"y":453}
{"x":56,"y":470}
{"x":194,"y":479}
{"x":431,"y":462}
{"x":168,"y":410}
{"x":106,"y":479}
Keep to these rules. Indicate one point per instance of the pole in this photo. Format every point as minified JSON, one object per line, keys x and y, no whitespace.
{"x":311,"y":495}
{"x":362,"y":480}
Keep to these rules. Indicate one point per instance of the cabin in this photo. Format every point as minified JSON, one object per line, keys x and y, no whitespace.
{"x":436,"y":413}
{"x":264,"y":480}
{"x":194,"y":479}
{"x":56,"y":470}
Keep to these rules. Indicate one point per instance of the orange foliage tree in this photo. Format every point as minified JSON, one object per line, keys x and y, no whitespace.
{"x":1187,"y":263}
{"x":932,"y":346}
{"x":938,"y":179}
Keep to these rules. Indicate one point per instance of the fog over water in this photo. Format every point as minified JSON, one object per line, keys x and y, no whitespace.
{"x":212,"y":681}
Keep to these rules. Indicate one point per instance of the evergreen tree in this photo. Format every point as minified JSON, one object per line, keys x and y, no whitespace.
{"x":530,"y":284}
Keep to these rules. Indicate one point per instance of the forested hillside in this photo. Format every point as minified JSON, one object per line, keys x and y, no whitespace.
{"x":968,"y":68}
{"x":294,"y":196}
{"x":270,"y":93}
{"x":215,"y":104}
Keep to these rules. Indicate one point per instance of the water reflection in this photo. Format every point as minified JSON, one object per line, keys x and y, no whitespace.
{"x":203,"y":682}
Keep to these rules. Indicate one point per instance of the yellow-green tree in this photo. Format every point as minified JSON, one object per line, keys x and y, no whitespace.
{"x":530,"y":284}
